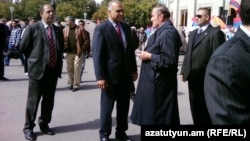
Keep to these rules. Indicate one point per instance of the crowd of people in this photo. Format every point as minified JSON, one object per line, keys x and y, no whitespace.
{"x":215,"y":69}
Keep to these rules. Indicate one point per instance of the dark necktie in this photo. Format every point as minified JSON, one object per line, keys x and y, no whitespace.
{"x":118,"y":30}
{"x":52,"y":48}
{"x":197,"y":35}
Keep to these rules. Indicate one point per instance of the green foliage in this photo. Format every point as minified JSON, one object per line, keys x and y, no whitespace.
{"x":137,"y":12}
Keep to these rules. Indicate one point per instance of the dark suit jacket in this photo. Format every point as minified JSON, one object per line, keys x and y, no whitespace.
{"x":227,"y":82}
{"x":112,"y":61}
{"x":198,"y":54}
{"x":34,"y":45}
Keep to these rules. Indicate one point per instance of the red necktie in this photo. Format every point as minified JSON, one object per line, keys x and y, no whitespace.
{"x":118,"y":30}
{"x":52,"y":48}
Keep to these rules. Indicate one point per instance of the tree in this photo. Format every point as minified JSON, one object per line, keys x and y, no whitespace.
{"x":136,"y":12}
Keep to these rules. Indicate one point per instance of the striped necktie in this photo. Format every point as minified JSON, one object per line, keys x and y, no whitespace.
{"x":52,"y":48}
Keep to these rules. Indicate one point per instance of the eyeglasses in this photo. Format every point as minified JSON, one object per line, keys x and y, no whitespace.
{"x":199,"y":16}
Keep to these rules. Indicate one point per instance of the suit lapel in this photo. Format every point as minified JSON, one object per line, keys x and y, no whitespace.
{"x":111,"y":28}
{"x":203,"y":35}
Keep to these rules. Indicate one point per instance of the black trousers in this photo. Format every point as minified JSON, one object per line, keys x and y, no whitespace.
{"x":1,"y":64}
{"x":41,"y":89}
{"x":119,"y":93}
{"x":198,"y":105}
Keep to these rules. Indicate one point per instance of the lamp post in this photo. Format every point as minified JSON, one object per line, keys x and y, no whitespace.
{"x":85,"y":12}
{"x":11,"y":11}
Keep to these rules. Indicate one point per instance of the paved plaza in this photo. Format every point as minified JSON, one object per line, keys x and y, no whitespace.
{"x":76,"y":114}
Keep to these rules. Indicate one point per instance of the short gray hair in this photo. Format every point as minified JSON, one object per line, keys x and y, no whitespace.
{"x":70,"y":18}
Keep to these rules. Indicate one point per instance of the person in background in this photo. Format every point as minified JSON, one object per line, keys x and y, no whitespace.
{"x":142,"y":36}
{"x":3,"y":37}
{"x":58,"y":24}
{"x":202,"y":42}
{"x":42,"y":43}
{"x":227,"y":77}
{"x":31,"y":20}
{"x":115,"y":69}
{"x":14,"y":42}
{"x":81,"y":23}
{"x":75,"y":43}
{"x":156,"y":96}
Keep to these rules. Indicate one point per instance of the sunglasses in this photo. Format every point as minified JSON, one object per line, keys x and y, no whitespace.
{"x":199,"y":16}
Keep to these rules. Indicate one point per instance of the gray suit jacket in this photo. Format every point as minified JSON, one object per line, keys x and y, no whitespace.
{"x":199,"y":52}
{"x":227,"y":82}
{"x":34,"y":45}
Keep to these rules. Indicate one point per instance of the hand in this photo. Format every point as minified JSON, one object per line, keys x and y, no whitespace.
{"x":102,"y":84}
{"x":144,"y":55}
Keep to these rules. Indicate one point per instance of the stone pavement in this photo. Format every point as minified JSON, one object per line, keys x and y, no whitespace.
{"x":76,"y":114}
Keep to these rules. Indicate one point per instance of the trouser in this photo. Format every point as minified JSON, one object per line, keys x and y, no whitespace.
{"x":74,"y":68}
{"x":198,"y":106}
{"x":119,"y":93}
{"x":83,"y":63}
{"x":45,"y":89}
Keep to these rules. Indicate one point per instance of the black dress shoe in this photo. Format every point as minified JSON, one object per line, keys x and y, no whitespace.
{"x":29,"y":135}
{"x":105,"y":139}
{"x":45,"y":129}
{"x":122,"y":136}
{"x":75,"y":89}
{"x":4,"y":79}
{"x":70,"y":87}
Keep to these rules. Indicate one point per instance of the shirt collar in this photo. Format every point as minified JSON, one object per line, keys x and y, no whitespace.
{"x":113,"y":23}
{"x":204,"y":27}
{"x":245,"y":30}
{"x":45,"y":25}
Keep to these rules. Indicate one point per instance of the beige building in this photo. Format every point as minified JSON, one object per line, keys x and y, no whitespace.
{"x":183,"y":11}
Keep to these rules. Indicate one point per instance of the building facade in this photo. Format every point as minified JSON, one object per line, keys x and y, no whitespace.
{"x":183,"y":11}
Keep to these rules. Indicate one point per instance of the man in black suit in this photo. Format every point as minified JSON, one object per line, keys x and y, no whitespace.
{"x":201,"y":44}
{"x":42,"y":43}
{"x":3,"y":37}
{"x":227,"y":78}
{"x":115,"y":68}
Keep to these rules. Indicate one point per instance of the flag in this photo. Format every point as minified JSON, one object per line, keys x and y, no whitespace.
{"x":234,"y":5}
{"x":237,"y":22}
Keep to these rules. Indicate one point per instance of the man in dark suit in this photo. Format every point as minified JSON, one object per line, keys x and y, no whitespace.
{"x":115,"y":68}
{"x":201,"y":44}
{"x":156,"y":96}
{"x":42,"y":43}
{"x":227,"y":78}
{"x":3,"y":37}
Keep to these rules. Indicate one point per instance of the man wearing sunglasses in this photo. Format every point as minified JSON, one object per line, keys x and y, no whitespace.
{"x":201,"y":44}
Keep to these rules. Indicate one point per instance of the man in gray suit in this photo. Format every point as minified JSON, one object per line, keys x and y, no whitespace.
{"x":227,"y":78}
{"x":42,"y":43}
{"x":201,"y":44}
{"x":115,"y":69}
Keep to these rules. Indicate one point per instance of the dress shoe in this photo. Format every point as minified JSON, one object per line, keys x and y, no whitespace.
{"x":29,"y":135}
{"x":76,"y":88}
{"x":45,"y":129}
{"x":104,"y":139}
{"x":122,"y":136}
{"x":71,"y":87}
{"x":4,"y":78}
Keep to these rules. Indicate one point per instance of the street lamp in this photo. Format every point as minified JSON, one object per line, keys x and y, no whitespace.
{"x":85,"y":12}
{"x":11,"y":11}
